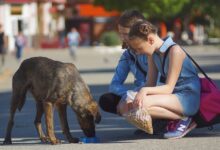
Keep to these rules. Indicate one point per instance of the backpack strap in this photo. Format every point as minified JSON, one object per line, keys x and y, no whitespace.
{"x":137,"y":64}
{"x":195,"y":63}
{"x":200,"y":69}
{"x":162,"y":77}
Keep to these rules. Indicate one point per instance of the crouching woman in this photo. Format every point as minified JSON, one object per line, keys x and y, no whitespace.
{"x":179,"y":98}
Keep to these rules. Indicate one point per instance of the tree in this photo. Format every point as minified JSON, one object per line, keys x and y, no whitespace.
{"x":157,"y":9}
{"x":197,"y":11}
{"x":206,"y":9}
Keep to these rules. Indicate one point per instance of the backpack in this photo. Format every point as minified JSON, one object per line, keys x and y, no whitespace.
{"x":209,"y":111}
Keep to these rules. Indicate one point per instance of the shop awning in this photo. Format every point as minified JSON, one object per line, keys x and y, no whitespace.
{"x":89,"y":10}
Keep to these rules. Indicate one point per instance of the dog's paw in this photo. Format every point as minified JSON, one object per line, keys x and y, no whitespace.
{"x":44,"y":139}
{"x":73,"y":140}
{"x":56,"y":141}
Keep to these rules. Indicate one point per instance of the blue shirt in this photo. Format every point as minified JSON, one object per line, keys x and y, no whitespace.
{"x":188,"y":70}
{"x":125,"y":65}
{"x":73,"y":38}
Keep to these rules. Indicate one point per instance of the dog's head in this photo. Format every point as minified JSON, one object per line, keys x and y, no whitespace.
{"x":88,"y":118}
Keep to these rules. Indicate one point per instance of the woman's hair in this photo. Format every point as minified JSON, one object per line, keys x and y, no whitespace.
{"x":142,"y":29}
{"x":129,"y":17}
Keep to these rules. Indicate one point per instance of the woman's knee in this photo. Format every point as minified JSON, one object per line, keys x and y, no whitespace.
{"x":148,"y":102}
{"x":103,"y":101}
{"x":167,"y":102}
{"x":108,"y":102}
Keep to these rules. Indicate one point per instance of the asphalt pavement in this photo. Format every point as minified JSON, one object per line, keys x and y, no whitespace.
{"x":96,"y":65}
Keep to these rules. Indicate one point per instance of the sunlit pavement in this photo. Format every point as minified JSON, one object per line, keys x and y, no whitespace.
{"x":96,"y":66}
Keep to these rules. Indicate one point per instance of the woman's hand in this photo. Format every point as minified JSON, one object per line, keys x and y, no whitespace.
{"x":141,"y":95}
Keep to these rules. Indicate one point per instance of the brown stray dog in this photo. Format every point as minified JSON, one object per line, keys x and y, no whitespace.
{"x":53,"y":83}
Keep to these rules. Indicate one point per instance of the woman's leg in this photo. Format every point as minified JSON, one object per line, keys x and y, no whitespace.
{"x":163,"y":106}
{"x":21,"y":52}
{"x":160,"y":106}
{"x":18,"y":53}
{"x":169,"y":106}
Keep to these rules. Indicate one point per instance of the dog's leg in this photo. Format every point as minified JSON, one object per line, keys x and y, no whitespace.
{"x":64,"y":123}
{"x":48,"y":110}
{"x":37,"y":122}
{"x":13,"y":107}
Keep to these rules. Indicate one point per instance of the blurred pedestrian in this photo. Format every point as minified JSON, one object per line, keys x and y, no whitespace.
{"x":199,"y":34}
{"x":2,"y":47}
{"x":73,"y":38}
{"x":19,"y":44}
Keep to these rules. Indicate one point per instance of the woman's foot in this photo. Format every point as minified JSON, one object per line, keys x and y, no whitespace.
{"x":183,"y":127}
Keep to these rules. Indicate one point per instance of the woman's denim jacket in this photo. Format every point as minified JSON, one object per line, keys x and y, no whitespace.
{"x":128,"y":63}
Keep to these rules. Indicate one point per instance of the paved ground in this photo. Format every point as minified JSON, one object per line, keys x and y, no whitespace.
{"x":96,"y":66}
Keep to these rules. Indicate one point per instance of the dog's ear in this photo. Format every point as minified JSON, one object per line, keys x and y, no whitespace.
{"x":98,"y":117}
{"x":92,"y":107}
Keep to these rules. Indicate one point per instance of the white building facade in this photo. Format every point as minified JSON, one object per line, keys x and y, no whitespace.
{"x":23,"y":16}
{"x":25,"y":21}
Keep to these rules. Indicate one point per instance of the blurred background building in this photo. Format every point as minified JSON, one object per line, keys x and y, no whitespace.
{"x":18,"y":16}
{"x":46,"y":23}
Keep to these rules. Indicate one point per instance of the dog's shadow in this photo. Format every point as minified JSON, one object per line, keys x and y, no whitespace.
{"x":22,"y":141}
{"x":144,"y":136}
{"x":112,"y":130}
{"x":130,"y":138}
{"x":119,"y":138}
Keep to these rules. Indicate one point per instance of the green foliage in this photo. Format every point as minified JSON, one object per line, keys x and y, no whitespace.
{"x":214,"y":33}
{"x":157,"y":9}
{"x":206,"y":8}
{"x":110,"y":38}
{"x":167,"y":9}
